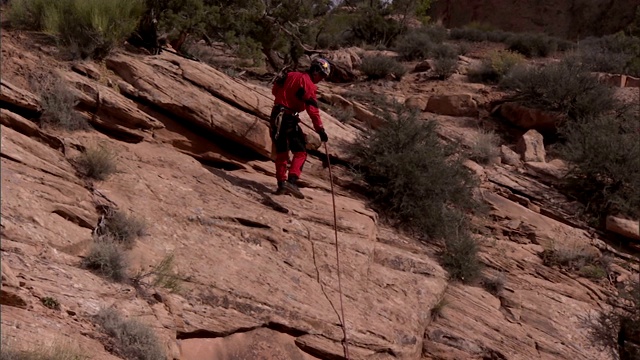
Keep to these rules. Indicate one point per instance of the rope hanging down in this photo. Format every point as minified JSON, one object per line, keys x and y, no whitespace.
{"x":345,"y":342}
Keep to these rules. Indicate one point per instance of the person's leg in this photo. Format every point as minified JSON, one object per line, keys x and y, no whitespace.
{"x":297,"y":144}
{"x":281,"y":161}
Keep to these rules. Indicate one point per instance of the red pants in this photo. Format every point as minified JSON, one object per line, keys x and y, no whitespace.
{"x":290,"y":138}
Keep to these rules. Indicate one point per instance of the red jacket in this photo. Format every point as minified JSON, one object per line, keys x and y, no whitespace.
{"x":299,"y":94}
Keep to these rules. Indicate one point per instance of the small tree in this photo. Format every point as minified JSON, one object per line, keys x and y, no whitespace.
{"x":566,"y":87}
{"x":604,"y":152}
{"x":412,"y":177}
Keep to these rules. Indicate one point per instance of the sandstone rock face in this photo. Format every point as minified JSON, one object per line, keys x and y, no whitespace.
{"x":528,"y":118}
{"x":531,"y":146}
{"x":627,"y":228}
{"x":17,"y":97}
{"x":633,"y":82}
{"x":509,"y":156}
{"x":258,"y":272}
{"x":453,"y":105}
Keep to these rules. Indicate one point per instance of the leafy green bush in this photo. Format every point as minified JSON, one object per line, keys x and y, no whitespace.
{"x":415,"y":45}
{"x":532,"y":45}
{"x":97,"y":163}
{"x":378,"y":67}
{"x":372,"y":27}
{"x":410,"y":174}
{"x":460,"y":257}
{"x":566,"y":87}
{"x":107,"y":258}
{"x":416,"y":183}
{"x":91,"y":27}
{"x":132,"y":339}
{"x":494,"y":67}
{"x":603,"y":152}
{"x":28,"y":14}
{"x":616,"y":53}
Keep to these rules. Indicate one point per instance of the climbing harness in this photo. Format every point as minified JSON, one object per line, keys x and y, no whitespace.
{"x":345,"y":341}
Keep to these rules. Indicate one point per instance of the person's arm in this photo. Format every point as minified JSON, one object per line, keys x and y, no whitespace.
{"x":307,"y":93}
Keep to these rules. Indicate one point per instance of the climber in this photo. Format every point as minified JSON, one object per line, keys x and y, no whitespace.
{"x":295,"y":92}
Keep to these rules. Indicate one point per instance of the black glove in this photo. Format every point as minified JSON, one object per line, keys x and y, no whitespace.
{"x":323,"y":135}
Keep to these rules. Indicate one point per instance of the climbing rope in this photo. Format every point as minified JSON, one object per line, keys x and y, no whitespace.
{"x":345,"y":342}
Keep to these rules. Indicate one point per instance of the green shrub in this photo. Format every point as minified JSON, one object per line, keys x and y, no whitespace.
{"x":28,"y":14}
{"x":107,"y":258}
{"x":603,"y":152}
{"x":498,"y":36}
{"x":616,"y":328}
{"x":122,"y":227}
{"x":412,"y":179}
{"x":469,"y":34}
{"x":494,"y":285}
{"x":593,"y":272}
{"x":532,"y":45}
{"x":379,"y":67}
{"x":415,"y":45}
{"x":50,"y":302}
{"x":58,"y":101}
{"x":484,"y":147}
{"x":163,"y":274}
{"x":460,"y":257}
{"x":97,"y":163}
{"x":566,"y":87}
{"x":572,"y":257}
{"x":493,"y":68}
{"x":445,"y":67}
{"x":372,"y":27}
{"x":438,"y":308}
{"x":92,"y":27}
{"x":442,"y":51}
{"x":616,"y":53}
{"x":131,"y":339}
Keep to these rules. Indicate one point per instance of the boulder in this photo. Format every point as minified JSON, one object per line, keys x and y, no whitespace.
{"x":363,"y":114}
{"x":529,"y":118}
{"x":531,"y":147}
{"x":87,"y":69}
{"x":633,"y":82}
{"x":627,"y":228}
{"x":348,"y":58}
{"x":416,"y":102}
{"x":422,"y":66}
{"x":509,"y":156}
{"x":615,"y":80}
{"x":453,"y":105}
{"x":18,"y":98}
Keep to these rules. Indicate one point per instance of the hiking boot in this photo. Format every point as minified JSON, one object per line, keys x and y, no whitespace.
{"x":280,"y":190}
{"x":291,"y":188}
